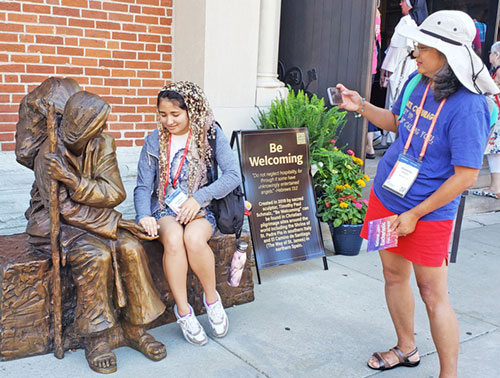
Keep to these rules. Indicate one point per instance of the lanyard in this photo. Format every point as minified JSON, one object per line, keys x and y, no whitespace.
{"x":177,"y":174}
{"x":431,"y":128}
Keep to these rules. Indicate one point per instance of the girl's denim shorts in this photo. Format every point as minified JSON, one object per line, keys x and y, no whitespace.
{"x":209,"y":216}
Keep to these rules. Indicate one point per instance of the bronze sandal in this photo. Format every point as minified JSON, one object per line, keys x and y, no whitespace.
{"x":403,"y":359}
{"x":149,"y":346}
{"x":100,"y":357}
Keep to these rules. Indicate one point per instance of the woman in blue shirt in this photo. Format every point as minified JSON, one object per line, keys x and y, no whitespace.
{"x":442,"y":131}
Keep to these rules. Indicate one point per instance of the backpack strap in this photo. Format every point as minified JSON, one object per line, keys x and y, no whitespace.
{"x":212,"y":172}
{"x":407,"y":93}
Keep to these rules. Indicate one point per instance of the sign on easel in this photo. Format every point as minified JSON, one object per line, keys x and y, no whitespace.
{"x":277,"y":181}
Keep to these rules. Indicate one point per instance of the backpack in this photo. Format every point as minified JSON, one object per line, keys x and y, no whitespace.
{"x":228,"y":211}
{"x":416,"y":79}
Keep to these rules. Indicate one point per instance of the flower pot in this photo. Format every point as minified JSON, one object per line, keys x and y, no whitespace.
{"x":346,"y":239}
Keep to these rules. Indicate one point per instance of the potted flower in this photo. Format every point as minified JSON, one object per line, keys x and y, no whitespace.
{"x":338,"y":180}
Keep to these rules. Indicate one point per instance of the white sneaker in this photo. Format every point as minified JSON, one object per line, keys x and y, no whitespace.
{"x":191,"y":328}
{"x":217,"y":317}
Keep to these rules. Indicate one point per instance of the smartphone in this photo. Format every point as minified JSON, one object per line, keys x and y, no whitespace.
{"x":334,"y":96}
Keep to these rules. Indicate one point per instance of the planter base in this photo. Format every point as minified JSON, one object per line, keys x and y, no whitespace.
{"x":346,"y":239}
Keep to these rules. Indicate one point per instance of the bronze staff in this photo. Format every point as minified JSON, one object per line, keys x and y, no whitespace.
{"x":54,"y":239}
{"x":120,"y":291}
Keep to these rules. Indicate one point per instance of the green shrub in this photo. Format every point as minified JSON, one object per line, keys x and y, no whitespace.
{"x":337,"y":176}
{"x":298,"y":110}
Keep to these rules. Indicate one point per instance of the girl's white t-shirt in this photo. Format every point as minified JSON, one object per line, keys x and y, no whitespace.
{"x":177,"y":142}
{"x":177,"y":145}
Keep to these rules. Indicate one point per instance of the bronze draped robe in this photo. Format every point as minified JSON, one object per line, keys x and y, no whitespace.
{"x":89,"y":228}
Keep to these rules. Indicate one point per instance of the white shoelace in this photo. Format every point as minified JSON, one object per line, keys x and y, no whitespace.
{"x":190,"y":323}
{"x":216,"y":312}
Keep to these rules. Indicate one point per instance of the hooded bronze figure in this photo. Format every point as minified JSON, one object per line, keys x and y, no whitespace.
{"x":108,"y":263}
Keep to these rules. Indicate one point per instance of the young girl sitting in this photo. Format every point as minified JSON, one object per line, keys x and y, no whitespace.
{"x":172,"y":198}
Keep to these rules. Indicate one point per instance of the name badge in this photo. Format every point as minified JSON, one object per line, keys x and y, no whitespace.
{"x":176,"y":199}
{"x":402,"y":176}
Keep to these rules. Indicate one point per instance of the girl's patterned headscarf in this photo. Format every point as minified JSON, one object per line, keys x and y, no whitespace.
{"x":201,"y":124}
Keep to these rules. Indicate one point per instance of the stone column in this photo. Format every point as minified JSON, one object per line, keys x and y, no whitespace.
{"x":215,"y":44}
{"x":268,"y":85}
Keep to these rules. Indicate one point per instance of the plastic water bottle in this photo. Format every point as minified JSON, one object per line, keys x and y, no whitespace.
{"x":238,"y":264}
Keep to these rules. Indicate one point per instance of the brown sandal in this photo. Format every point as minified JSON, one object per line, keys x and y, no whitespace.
{"x":383,"y":364}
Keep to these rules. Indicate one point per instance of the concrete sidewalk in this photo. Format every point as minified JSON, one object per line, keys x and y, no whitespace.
{"x":308,"y":322}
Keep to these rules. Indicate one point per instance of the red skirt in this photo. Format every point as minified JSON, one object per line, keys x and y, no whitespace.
{"x":428,"y":245}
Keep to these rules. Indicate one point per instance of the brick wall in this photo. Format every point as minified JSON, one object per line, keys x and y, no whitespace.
{"x":118,"y":49}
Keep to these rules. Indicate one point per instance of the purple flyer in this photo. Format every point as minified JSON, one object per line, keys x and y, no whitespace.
{"x":379,"y":236}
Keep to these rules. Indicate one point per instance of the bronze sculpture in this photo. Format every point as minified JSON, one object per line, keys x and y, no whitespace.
{"x":108,"y":263}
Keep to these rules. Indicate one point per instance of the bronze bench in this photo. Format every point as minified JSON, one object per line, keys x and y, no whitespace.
{"x":25,"y":287}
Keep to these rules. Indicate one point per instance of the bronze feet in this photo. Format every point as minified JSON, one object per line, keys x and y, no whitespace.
{"x":140,"y":340}
{"x":99,"y":355}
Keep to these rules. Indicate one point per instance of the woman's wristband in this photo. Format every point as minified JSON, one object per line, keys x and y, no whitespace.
{"x":361,"y":110}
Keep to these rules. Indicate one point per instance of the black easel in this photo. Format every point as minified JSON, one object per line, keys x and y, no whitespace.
{"x":235,"y":139}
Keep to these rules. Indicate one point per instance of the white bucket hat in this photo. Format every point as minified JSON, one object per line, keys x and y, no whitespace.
{"x":452,"y":33}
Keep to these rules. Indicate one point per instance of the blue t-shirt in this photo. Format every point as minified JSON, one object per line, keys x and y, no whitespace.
{"x":459,"y":138}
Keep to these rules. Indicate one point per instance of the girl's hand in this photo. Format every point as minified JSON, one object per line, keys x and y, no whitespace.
{"x":188,"y":212}
{"x":351,"y":100}
{"x":149,"y":225}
